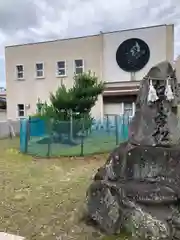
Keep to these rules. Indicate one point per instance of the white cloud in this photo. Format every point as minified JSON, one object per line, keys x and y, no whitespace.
{"x":24,"y":21}
{"x":78,"y":17}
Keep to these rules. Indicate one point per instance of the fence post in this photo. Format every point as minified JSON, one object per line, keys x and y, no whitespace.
{"x":29,"y":127}
{"x":107,"y":123}
{"x":117,"y":130}
{"x":82,"y":138}
{"x":71,"y":126}
{"x":123,"y":128}
{"x":27,"y":135}
{"x":50,"y":123}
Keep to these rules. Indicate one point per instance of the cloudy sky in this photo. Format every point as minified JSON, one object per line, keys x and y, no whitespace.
{"x":23,"y":21}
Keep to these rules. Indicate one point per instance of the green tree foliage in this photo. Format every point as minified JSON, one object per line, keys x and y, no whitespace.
{"x":85,"y":92}
{"x":76,"y":101}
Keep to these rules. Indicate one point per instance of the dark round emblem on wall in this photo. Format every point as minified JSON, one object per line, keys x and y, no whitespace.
{"x":132,"y":55}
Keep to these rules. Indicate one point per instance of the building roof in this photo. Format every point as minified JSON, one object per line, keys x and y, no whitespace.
{"x":93,"y":35}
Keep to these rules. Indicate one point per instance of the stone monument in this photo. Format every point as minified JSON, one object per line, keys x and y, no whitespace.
{"x":138,"y":188}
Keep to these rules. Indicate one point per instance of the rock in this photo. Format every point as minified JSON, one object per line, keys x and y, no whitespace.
{"x":138,"y":188}
{"x":20,"y":197}
{"x":104,"y":207}
{"x":156,"y":123}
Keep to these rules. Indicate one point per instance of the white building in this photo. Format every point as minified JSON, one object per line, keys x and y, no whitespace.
{"x":120,"y":59}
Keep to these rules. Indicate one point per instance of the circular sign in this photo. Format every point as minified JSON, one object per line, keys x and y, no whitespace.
{"x":132,"y":55}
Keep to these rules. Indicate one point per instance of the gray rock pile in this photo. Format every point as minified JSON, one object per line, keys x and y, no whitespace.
{"x":138,"y":188}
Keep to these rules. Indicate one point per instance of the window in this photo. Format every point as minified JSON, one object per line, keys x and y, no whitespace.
{"x":21,"y":110}
{"x":61,"y":68}
{"x":128,"y":109}
{"x":79,"y":66}
{"x":39,"y":70}
{"x":39,"y":106}
{"x":20,"y":71}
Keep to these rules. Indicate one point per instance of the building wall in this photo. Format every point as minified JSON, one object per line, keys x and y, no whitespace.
{"x":177,"y":67}
{"x":159,"y":39}
{"x":3,"y":115}
{"x":170,"y":43}
{"x":116,"y":104}
{"x":27,"y":91}
{"x":98,"y":53}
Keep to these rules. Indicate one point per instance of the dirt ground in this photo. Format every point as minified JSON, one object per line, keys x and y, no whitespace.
{"x":45,"y":198}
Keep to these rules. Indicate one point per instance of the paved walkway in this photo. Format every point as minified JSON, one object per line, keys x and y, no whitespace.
{"x":6,"y":236}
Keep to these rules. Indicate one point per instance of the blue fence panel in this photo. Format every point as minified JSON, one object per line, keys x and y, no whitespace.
{"x":124,"y":123}
{"x":37,"y":127}
{"x":109,"y":125}
{"x":113,"y":125}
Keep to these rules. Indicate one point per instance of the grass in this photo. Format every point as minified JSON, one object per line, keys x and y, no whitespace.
{"x":44,"y":198}
{"x":96,"y":143}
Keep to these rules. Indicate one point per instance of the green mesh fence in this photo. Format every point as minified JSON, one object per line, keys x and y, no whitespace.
{"x":73,"y":138}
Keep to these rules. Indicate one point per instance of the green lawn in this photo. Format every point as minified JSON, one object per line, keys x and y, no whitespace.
{"x":93,"y":144}
{"x":45,"y":198}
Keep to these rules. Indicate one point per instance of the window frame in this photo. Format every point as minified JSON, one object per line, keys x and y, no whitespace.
{"x":39,"y":70}
{"x":57,"y":69}
{"x":133,"y":108}
{"x":17,"y":72}
{"x":18,"y":110}
{"x":78,"y":67}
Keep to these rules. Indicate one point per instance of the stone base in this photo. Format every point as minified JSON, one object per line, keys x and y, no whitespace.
{"x":137,"y":185}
